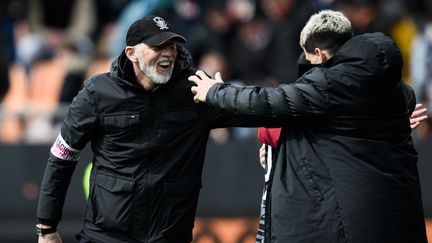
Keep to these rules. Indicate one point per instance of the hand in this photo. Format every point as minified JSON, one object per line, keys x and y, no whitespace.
{"x":262,"y":156}
{"x":418,"y":116}
{"x":204,"y":83}
{"x":50,"y":238}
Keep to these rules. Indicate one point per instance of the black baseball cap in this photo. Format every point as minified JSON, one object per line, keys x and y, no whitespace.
{"x":151,"y":30}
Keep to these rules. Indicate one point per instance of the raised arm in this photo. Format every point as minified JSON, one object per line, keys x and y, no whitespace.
{"x":303,"y":98}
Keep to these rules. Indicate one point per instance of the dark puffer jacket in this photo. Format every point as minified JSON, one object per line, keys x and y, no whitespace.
{"x":346,"y":166}
{"x":148,"y":156}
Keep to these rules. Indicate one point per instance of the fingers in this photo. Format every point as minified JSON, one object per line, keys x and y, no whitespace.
{"x":419,"y":109}
{"x":415,"y":122}
{"x":204,"y":83}
{"x":195,"y":79}
{"x":198,"y":77}
{"x":418,"y":112}
{"x":194,"y":90}
{"x":218,"y":77}
{"x":418,"y":119}
{"x":201,"y":74}
{"x":196,"y":99}
{"x":422,"y":118}
{"x":262,"y":156}
{"x":419,"y":115}
{"x":262,"y":151}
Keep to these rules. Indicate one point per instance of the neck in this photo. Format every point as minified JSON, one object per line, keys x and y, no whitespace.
{"x":326,"y":55}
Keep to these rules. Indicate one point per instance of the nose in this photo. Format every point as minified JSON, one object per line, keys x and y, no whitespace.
{"x":169,"y":50}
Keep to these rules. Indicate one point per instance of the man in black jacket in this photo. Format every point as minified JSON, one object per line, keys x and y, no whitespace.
{"x":345,"y":167}
{"x":148,"y":138}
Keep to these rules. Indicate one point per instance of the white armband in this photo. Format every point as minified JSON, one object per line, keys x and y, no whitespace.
{"x":62,"y":150}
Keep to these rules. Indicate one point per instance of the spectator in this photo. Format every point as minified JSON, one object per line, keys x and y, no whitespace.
{"x":285,"y":20}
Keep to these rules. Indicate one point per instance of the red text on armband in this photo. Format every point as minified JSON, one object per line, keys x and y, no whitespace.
{"x":62,"y":150}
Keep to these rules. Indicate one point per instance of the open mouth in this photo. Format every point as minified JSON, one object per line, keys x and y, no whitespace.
{"x":164,"y":64}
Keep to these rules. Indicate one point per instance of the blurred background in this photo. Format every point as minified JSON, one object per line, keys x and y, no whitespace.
{"x":49,"y":47}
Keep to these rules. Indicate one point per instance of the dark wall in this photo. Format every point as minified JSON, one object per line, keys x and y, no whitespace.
{"x":424,"y":149}
{"x":232,"y":185}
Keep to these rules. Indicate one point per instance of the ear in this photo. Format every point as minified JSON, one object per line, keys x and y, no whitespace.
{"x":322,"y":54}
{"x":130,"y":53}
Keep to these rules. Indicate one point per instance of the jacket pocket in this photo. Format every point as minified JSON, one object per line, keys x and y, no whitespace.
{"x":121,"y":121}
{"x":182,"y":200}
{"x":120,"y":131}
{"x":113,"y":203}
{"x":309,"y":181}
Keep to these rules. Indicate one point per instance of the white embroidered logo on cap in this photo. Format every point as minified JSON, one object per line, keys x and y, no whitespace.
{"x":160,"y":22}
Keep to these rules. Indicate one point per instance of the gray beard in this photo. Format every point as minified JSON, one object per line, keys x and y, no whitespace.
{"x":151,"y":73}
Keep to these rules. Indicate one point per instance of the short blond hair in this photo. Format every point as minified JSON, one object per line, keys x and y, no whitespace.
{"x":326,"y":29}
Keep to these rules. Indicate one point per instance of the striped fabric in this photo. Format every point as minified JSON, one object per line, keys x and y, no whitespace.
{"x":268,"y":166}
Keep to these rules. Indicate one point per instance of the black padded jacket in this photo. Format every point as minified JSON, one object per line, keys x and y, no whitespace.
{"x":346,"y":167}
{"x":148,"y":155}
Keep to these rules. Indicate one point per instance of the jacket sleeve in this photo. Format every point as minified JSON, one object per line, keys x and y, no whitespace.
{"x":307,"y":97}
{"x":411,"y":98}
{"x":76,"y":131}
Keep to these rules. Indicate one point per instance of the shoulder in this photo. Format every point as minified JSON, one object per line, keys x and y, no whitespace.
{"x":315,"y":74}
{"x":182,"y":77}
{"x":96,"y":81}
{"x":189,"y":71}
{"x":376,"y":43}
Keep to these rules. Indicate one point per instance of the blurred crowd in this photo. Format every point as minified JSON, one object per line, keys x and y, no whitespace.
{"x":49,"y":47}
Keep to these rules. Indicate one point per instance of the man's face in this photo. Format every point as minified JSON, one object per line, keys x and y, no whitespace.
{"x":157,"y":63}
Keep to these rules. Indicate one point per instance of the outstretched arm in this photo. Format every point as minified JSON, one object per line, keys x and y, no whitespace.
{"x":306,"y":97}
